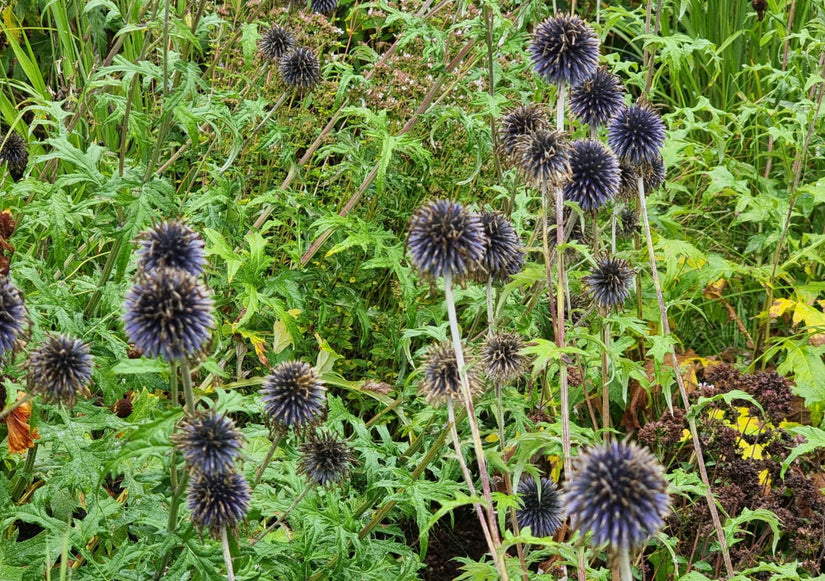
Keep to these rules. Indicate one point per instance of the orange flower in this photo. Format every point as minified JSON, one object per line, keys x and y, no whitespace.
{"x":21,"y":436}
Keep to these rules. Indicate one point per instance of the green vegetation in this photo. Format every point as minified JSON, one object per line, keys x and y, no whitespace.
{"x":137,"y":112}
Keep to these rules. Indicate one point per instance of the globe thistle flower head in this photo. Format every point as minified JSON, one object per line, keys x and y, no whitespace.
{"x":168,"y":313}
{"x":444,"y":238}
{"x":14,"y":153}
{"x":594,"y":175}
{"x":60,"y":369}
{"x":501,"y":356}
{"x":636,"y":134}
{"x":503,"y":255}
{"x":627,"y":222}
{"x":653,"y":174}
{"x":293,"y":395}
{"x":325,"y":459}
{"x":12,"y":314}
{"x":597,"y":99}
{"x":565,"y":49}
{"x":440,"y":379}
{"x":610,"y":282}
{"x":275,"y":43}
{"x":300,"y":68}
{"x":628,"y":181}
{"x":541,"y":509}
{"x":543,"y":157}
{"x":617,"y":492}
{"x":522,"y":120}
{"x":323,"y":6}
{"x":171,"y":245}
{"x":217,"y":501}
{"x":209,"y":443}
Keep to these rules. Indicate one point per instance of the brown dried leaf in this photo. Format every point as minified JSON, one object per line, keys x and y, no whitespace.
{"x":21,"y":436}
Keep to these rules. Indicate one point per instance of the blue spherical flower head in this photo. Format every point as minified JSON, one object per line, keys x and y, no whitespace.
{"x":522,"y":120}
{"x":636,"y":134}
{"x":619,"y":494}
{"x":543,"y":157}
{"x":325,"y":459}
{"x":293,"y":395}
{"x":12,"y":314}
{"x":275,"y":43}
{"x":60,"y":369}
{"x":541,"y":509}
{"x":565,"y":49}
{"x":502,"y":358}
{"x":503,"y":253}
{"x":440,"y":380}
{"x":610,"y":282}
{"x":597,"y":99}
{"x":171,"y":245}
{"x":14,"y":152}
{"x":209,"y":443}
{"x":168,"y":313}
{"x":300,"y":68}
{"x":218,"y":501}
{"x":594,"y":175}
{"x":444,"y":238}
{"x":323,"y":6}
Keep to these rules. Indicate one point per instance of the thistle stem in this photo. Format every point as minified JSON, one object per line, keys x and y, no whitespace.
{"x":605,"y":382}
{"x":625,"y":572}
{"x":697,"y":445}
{"x":281,"y":518}
{"x":560,"y":335}
{"x":186,"y":380}
{"x":227,"y":556}
{"x":491,"y":314}
{"x":471,"y":416}
{"x":467,"y":476}
{"x":275,"y":441}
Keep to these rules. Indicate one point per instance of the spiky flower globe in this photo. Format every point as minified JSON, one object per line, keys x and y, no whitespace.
{"x":275,"y":43}
{"x":597,"y":99}
{"x":300,"y":68}
{"x":444,"y":238}
{"x":610,"y":282}
{"x":293,"y":395}
{"x":325,"y":459}
{"x":209,"y":443}
{"x":440,"y":380}
{"x":12,"y":314}
{"x":636,"y":134}
{"x":594,"y":175}
{"x":14,"y":153}
{"x":617,"y":492}
{"x":565,"y":49}
{"x":168,"y":313}
{"x":323,"y":6}
{"x":540,"y":510}
{"x":60,"y":369}
{"x":628,"y":181}
{"x":522,"y":120}
{"x":653,"y":174}
{"x":503,"y":255}
{"x":217,"y":501}
{"x":501,"y":356}
{"x":171,"y":245}
{"x":627,"y":222}
{"x":543,"y":157}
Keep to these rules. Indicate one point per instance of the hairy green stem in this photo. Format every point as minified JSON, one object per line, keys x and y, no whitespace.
{"x":275,"y":441}
{"x":281,"y":518}
{"x":697,"y":444}
{"x":625,"y":571}
{"x":227,"y":556}
{"x":468,"y":404}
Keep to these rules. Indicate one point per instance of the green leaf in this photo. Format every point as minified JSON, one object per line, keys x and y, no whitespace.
{"x":815,"y":440}
{"x":142,"y":365}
